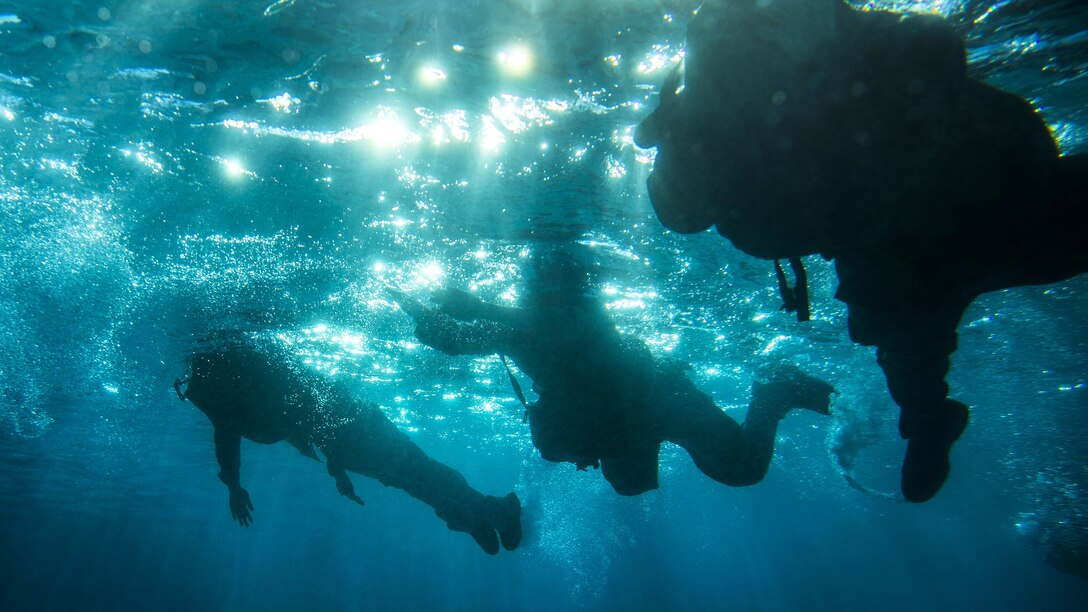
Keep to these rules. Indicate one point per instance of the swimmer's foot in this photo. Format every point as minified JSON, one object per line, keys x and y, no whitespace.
{"x":791,"y":388}
{"x":484,"y":534}
{"x":926,"y":465}
{"x":509,"y":524}
{"x":501,"y":515}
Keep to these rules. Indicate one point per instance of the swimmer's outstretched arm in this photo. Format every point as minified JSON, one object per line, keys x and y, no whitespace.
{"x":410,"y":305}
{"x":452,"y":337}
{"x":228,"y":451}
{"x":444,"y":333}
{"x":464,"y":306}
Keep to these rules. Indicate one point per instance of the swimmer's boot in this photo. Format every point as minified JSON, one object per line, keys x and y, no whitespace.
{"x":509,"y":524}
{"x":926,"y":465}
{"x":502,"y":515}
{"x":484,"y":535}
{"x":791,"y":388}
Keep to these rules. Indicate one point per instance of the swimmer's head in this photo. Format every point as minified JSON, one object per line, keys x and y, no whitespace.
{"x":559,"y":274}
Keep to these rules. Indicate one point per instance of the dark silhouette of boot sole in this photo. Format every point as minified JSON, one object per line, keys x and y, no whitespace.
{"x":484,"y":535}
{"x":510,"y":525}
{"x":504,"y":517}
{"x":926,"y":465}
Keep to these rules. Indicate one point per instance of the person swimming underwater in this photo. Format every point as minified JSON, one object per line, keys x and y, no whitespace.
{"x":804,"y":127}
{"x":604,"y":400}
{"x":266,"y":397}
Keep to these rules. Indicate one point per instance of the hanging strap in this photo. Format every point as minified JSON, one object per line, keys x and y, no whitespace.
{"x":177,"y":388}
{"x":517,"y":389}
{"x":794,"y":299}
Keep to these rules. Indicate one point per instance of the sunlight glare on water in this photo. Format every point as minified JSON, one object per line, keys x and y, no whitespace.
{"x":181,"y":172}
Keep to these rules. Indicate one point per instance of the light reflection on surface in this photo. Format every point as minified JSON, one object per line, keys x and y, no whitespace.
{"x":516,"y":60}
{"x":387,"y":130}
{"x":491,"y":137}
{"x":519,"y":114}
{"x":938,"y":7}
{"x":431,"y":76}
{"x":144,"y":158}
{"x":429,"y":274}
{"x":234,"y":168}
{"x":416,"y":225}
{"x":660,"y":57}
{"x":283,"y":103}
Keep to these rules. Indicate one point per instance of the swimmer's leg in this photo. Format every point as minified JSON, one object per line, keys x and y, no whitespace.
{"x":787,"y":389}
{"x":372,"y":445}
{"x":734,"y":454}
{"x":913,"y":349}
{"x":687,"y":417}
{"x":929,"y":421}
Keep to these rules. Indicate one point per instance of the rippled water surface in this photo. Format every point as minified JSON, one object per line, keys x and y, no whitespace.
{"x":174,"y":169}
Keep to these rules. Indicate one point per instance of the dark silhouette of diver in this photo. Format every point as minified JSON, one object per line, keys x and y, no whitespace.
{"x":604,"y":401}
{"x":248,"y":394}
{"x":805,"y":127}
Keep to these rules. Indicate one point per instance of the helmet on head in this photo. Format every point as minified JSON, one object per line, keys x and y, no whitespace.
{"x":559,"y":273}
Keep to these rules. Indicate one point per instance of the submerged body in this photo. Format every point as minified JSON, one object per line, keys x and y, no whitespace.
{"x":871,"y":147}
{"x":248,"y":394}
{"x":604,"y":400}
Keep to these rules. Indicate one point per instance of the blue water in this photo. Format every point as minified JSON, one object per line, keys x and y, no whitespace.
{"x":177,"y":168}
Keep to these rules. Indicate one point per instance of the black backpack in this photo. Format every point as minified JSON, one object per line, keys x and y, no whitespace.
{"x":791,"y":156}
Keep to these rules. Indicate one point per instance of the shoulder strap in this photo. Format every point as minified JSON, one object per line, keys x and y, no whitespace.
{"x":794,"y":299}
{"x":182,"y":394}
{"x":517,"y":388}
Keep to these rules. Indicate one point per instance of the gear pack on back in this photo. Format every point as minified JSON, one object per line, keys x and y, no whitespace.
{"x":802,"y":126}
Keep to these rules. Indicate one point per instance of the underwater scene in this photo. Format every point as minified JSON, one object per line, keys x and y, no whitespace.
{"x":313,"y":304}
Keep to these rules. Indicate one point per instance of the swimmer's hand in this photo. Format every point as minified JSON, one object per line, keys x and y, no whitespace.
{"x":434,"y":327}
{"x":344,"y":486}
{"x":240,"y":506}
{"x":458,"y":304}
{"x":411,"y":306}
